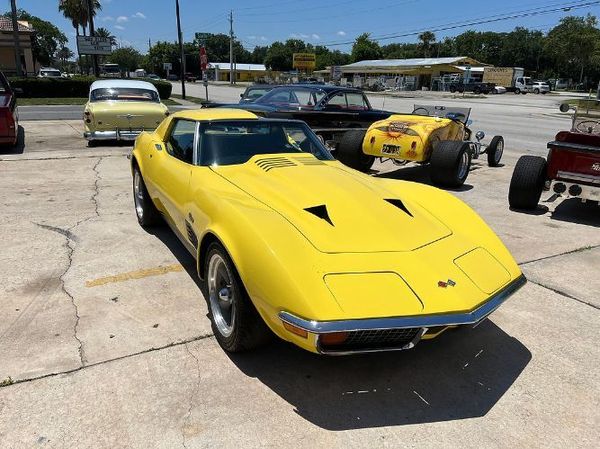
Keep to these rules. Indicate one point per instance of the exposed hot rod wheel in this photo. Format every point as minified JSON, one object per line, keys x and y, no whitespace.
{"x":235,"y":322}
{"x":495,"y":150}
{"x":145,"y":210}
{"x":350,"y":151}
{"x":527,"y":182}
{"x":450,"y":163}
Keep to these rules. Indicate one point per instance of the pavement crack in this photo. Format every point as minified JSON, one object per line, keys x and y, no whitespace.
{"x":188,"y":417}
{"x":566,"y":253}
{"x":80,"y":348}
{"x":566,"y":295}
{"x":66,"y":232}
{"x":107,"y":361}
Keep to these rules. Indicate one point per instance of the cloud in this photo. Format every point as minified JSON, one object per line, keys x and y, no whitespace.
{"x":139,"y":15}
{"x":341,"y":33}
{"x":315,"y":36}
{"x":107,"y":18}
{"x":299,"y":35}
{"x":263,"y":38}
{"x":122,"y":19}
{"x":119,"y":27}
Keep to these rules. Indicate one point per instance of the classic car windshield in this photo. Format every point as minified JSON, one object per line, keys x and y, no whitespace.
{"x":459,"y":114}
{"x":124,"y":94}
{"x":297,"y":97}
{"x":235,"y":142}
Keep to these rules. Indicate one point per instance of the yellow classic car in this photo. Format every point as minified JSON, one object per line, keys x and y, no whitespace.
{"x":121,"y":110}
{"x":292,"y":242}
{"x":437,"y":135}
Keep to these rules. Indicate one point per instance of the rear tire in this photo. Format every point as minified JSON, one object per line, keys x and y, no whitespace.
{"x":145,"y":210}
{"x":527,"y":182}
{"x":236,"y":324}
{"x":517,"y":91}
{"x":494,"y":151}
{"x":350,"y":151}
{"x":450,"y":163}
{"x":536,"y":91}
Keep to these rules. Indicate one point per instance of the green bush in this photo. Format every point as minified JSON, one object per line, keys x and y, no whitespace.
{"x":78,"y":86}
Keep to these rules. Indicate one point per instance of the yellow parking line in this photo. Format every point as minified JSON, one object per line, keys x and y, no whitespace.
{"x":138,"y":274}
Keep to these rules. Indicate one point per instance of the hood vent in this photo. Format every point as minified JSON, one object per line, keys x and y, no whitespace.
{"x":270,"y":163}
{"x":399,"y":204}
{"x":308,"y":161}
{"x":321,"y":212}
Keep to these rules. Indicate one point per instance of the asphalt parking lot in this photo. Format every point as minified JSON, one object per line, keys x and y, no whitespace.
{"x":104,"y":340}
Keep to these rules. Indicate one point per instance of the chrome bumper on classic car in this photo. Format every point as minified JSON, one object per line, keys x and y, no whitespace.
{"x":117,"y":134}
{"x":394,"y":333}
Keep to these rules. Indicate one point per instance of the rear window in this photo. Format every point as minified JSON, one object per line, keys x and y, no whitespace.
{"x":124,"y":94}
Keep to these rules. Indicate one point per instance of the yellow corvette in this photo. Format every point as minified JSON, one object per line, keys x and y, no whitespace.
{"x":121,"y":110}
{"x":292,"y":242}
{"x":437,"y":135}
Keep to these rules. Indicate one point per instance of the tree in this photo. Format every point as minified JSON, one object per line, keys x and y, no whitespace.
{"x":47,"y":39}
{"x":103,"y":32}
{"x":77,"y":12}
{"x":217,"y":48}
{"x":364,"y":48}
{"x":63,"y":55}
{"x":128,"y":58}
{"x":259,"y":54}
{"x":427,"y":38}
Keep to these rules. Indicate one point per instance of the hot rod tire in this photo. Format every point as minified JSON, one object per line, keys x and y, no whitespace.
{"x":494,"y":151}
{"x":527,"y":182}
{"x":145,"y":210}
{"x":350,"y":151}
{"x":450,"y":163}
{"x":236,"y":324}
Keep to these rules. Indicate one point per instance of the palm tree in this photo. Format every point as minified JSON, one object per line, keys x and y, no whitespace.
{"x":77,"y":12}
{"x":103,"y":32}
{"x":426,"y":38}
{"x":64,"y":54}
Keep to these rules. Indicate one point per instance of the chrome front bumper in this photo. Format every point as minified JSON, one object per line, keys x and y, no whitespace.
{"x":423,"y":323}
{"x":117,"y":134}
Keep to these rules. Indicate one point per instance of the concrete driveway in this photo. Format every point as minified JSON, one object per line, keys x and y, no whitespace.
{"x":104,"y":340}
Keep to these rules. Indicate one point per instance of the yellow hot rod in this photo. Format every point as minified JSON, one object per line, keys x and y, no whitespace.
{"x":281,"y":234}
{"x":437,"y":135}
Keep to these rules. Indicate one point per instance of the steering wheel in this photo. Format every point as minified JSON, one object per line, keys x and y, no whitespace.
{"x":588,"y":127}
{"x":421,"y":109}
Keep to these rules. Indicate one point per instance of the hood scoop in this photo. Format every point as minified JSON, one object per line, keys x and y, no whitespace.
{"x":320,"y":212}
{"x":399,"y":204}
{"x":269,"y":163}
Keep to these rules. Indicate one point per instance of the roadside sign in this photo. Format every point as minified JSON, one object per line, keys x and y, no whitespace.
{"x":93,"y":45}
{"x":203,"y":59}
{"x":336,"y":72}
{"x":304,"y":61}
{"x":167,"y":66}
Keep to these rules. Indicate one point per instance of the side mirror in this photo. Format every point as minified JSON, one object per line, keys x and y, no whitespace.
{"x":480,"y":135}
{"x":565,"y":107}
{"x":242,"y":95}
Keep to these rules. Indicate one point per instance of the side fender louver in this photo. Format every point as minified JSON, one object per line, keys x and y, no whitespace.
{"x":399,"y":204}
{"x":321,"y":212}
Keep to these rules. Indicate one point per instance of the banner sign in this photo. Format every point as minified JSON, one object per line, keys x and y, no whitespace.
{"x":304,"y":61}
{"x":92,"y":45}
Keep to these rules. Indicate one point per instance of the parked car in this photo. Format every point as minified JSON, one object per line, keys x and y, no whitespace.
{"x":172,"y":77}
{"x":572,"y":169}
{"x":49,"y":72}
{"x":153,"y":77}
{"x":290,"y":241}
{"x":190,"y":77}
{"x":437,"y":135}
{"x":9,"y":113}
{"x":254,"y":92}
{"x":121,"y":110}
{"x":475,"y":87}
{"x":540,"y":87}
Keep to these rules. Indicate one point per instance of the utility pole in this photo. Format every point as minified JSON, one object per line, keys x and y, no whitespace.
{"x":231,"y":71}
{"x":15,"y":25}
{"x":180,"y":37}
{"x":90,"y":8}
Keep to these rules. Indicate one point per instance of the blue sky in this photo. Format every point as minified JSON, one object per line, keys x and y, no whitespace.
{"x":259,"y":22}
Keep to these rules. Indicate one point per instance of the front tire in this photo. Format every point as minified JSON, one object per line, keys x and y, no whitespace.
{"x":145,"y":210}
{"x":527,"y":182}
{"x":350,"y":151}
{"x":236,"y":324}
{"x":450,"y":163}
{"x":517,"y":91}
{"x":536,"y":91}
{"x":495,"y":150}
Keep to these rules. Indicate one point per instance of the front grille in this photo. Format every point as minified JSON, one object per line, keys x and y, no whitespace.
{"x":375,"y":339}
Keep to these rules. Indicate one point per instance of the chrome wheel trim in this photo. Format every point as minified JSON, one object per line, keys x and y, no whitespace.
{"x":222,"y":295}
{"x":499,"y":151}
{"x":138,"y":194}
{"x":463,"y":165}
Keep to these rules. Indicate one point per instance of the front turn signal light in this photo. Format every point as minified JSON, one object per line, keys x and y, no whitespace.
{"x":295,"y":330}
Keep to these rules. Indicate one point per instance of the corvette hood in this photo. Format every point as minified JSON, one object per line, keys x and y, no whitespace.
{"x":337,"y":210}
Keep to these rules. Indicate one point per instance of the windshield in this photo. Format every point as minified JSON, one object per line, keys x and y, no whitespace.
{"x":235,"y":142}
{"x":298,"y":97}
{"x":460,"y":114}
{"x":253,"y":94}
{"x":124,"y":94}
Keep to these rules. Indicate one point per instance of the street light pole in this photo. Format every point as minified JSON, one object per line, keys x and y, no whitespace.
{"x":180,"y":37}
{"x":231,"y":71}
{"x":15,"y":25}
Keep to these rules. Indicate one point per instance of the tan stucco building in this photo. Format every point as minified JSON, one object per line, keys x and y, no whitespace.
{"x":7,"y":47}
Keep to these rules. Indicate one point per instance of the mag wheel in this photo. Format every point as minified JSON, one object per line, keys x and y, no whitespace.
{"x":450,"y":163}
{"x":527,"y":182}
{"x":235,"y":322}
{"x":145,"y":210}
{"x":350,"y":151}
{"x":495,"y":150}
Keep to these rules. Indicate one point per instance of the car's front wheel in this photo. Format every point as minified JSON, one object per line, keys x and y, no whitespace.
{"x":495,"y":150}
{"x":527,"y":182}
{"x":350,"y":151}
{"x":235,"y":322}
{"x":450,"y":163}
{"x":145,"y":210}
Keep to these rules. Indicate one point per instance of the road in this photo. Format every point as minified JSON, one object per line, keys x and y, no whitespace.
{"x":105,"y":343}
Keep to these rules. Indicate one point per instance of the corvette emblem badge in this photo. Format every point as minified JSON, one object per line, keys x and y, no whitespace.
{"x":448,"y":283}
